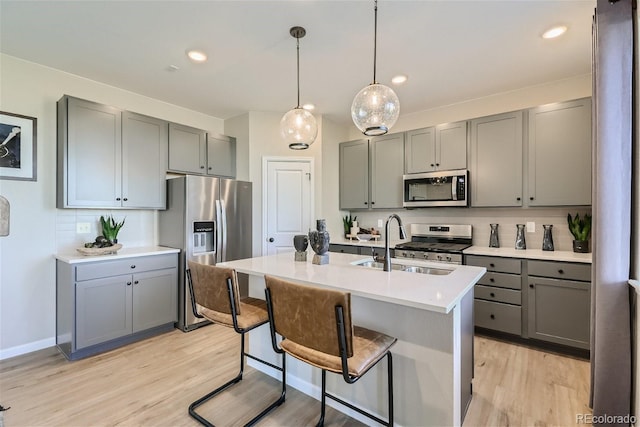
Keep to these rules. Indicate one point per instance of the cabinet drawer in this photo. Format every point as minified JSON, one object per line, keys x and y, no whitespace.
{"x":560,"y":270}
{"x":498,"y":294}
{"x":117,"y":267}
{"x":503,"y":265}
{"x":501,"y":280}
{"x":498,"y":316}
{"x":345,"y":249}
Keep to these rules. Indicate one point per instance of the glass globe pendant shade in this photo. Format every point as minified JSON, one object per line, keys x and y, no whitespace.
{"x":298,"y":128}
{"x":375,"y":109}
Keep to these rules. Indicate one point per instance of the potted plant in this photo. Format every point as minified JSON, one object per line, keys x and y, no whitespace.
{"x":580,"y":228}
{"x":347,"y":222}
{"x":110,"y":228}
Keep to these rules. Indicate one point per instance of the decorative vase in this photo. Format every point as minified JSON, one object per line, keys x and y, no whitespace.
{"x":521,"y":242}
{"x":494,"y":240}
{"x":581,"y":246}
{"x":319,"y":241}
{"x":547,"y":238}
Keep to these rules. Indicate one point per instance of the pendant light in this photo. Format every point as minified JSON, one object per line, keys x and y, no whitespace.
{"x":298,"y":126}
{"x":376,"y":107}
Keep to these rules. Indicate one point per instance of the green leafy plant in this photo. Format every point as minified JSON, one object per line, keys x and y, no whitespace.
{"x":110,"y":227}
{"x":580,"y":227}
{"x":347,"y":221}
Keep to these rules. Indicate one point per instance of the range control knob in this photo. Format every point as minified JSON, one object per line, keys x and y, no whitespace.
{"x":412,"y":255}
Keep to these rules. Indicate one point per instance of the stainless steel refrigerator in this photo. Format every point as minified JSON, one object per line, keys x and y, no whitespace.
{"x":209,"y":220}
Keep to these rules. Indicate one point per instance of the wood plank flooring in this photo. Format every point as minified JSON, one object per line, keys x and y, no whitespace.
{"x":152,"y":383}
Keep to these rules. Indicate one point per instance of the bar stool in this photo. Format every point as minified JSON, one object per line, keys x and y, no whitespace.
{"x":315,"y":325}
{"x":215,"y":296}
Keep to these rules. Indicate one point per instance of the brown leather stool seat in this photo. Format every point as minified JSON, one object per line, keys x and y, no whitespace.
{"x":316,"y":328}
{"x":215,"y":296}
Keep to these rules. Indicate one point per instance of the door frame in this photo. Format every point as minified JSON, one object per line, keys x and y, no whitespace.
{"x":265,"y":163}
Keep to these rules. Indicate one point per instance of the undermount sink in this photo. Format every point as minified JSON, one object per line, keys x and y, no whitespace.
{"x":407,"y":268}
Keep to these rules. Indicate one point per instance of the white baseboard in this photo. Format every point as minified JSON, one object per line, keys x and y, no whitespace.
{"x":27,"y":348}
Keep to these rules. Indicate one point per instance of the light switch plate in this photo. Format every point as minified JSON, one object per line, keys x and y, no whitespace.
{"x":380,"y":224}
{"x":83,"y":228}
{"x":531,"y":227}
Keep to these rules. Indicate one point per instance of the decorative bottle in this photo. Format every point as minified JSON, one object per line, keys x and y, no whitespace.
{"x":521,"y":243}
{"x":494,"y":240}
{"x":547,"y":238}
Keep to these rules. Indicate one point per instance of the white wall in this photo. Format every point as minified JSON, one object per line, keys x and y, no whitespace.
{"x":37,"y":228}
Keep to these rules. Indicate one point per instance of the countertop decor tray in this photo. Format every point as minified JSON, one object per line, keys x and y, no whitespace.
{"x":100,"y":251}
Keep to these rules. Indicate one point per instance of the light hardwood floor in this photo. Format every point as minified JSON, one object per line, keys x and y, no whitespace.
{"x":152,"y":383}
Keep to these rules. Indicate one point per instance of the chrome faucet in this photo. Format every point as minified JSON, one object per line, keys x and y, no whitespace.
{"x":403,"y":235}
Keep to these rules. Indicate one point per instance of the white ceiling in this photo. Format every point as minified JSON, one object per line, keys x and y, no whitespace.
{"x":451,"y":50}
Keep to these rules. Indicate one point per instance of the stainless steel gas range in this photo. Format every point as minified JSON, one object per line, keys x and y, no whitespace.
{"x":436,"y":242}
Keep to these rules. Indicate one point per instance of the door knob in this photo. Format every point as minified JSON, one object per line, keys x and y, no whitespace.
{"x":270,"y":239}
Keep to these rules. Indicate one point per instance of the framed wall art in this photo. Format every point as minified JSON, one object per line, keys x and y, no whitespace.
{"x":17,"y":146}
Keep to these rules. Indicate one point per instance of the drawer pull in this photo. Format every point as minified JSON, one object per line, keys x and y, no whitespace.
{"x":492,"y":280}
{"x":531,"y":285}
{"x":561,"y":271}
{"x":492,"y":316}
{"x":492,"y":265}
{"x":492,"y":295}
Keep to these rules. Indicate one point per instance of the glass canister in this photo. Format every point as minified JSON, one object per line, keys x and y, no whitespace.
{"x":521,"y":242}
{"x":494,"y":240}
{"x":547,"y":237}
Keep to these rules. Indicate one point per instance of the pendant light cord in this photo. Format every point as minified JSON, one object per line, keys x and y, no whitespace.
{"x":298,"y":67}
{"x":375,"y":38}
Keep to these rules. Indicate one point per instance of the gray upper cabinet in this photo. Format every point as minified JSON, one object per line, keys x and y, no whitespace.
{"x":443,"y":147}
{"x":495,"y":168}
{"x":89,"y":154}
{"x":187,"y":149}
{"x":371,"y":173}
{"x":109,"y":158}
{"x":354,"y":174}
{"x":221,"y":155}
{"x":144,"y":161}
{"x":559,"y":154}
{"x":387,"y":165}
{"x":194,"y":151}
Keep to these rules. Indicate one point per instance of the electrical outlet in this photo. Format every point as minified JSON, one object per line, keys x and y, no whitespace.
{"x":531,"y":227}
{"x":83,"y":228}
{"x":380,"y":224}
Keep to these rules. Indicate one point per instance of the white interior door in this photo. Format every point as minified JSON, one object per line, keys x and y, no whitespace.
{"x":287,"y":203}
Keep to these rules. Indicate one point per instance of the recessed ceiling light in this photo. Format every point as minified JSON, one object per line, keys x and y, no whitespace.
{"x":399,"y":79}
{"x":196,"y":55}
{"x":554,"y":32}
{"x":309,"y":107}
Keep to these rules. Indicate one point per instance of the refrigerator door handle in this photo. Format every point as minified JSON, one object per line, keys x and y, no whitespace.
{"x":223,"y":211}
{"x":218,"y":232}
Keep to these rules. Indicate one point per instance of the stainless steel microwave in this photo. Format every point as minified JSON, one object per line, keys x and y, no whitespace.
{"x":436,"y":189}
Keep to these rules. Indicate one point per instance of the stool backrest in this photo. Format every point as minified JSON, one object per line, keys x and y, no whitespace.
{"x":306,"y":315}
{"x":210,"y":287}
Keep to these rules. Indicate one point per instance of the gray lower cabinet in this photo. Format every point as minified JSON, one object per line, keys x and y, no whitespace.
{"x":105,"y":304}
{"x":109,"y":158}
{"x":369,"y":251}
{"x":559,"y":302}
{"x":498,"y":294}
{"x":495,"y":166}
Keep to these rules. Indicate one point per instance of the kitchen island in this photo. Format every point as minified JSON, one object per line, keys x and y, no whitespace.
{"x":430,"y":314}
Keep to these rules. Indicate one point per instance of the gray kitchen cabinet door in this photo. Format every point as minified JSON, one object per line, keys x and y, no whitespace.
{"x":387,"y":165}
{"x":559,"y":155}
{"x":221,"y":156}
{"x":103,"y":310}
{"x":451,"y":146}
{"x":354,"y":174}
{"x":187,"y":149}
{"x":559,"y":311}
{"x":420,"y":150}
{"x":144,"y":161}
{"x":89,"y":154}
{"x":154,"y":298}
{"x":495,"y":166}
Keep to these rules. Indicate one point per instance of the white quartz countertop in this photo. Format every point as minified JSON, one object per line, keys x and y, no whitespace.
{"x":439,"y":293}
{"x":125,"y":252}
{"x":566,"y":256}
